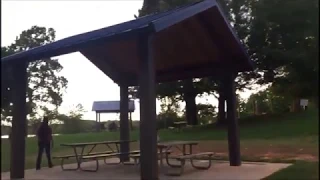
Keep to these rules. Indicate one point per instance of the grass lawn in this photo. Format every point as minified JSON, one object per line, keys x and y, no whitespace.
{"x":299,"y":170}
{"x":287,"y":137}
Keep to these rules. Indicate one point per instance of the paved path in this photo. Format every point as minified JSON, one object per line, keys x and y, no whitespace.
{"x":220,"y":170}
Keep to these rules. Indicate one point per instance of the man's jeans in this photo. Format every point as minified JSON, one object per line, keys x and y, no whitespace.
{"x":43,"y":146}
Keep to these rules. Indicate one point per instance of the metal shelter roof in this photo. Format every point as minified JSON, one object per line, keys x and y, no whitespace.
{"x":192,"y":41}
{"x":110,"y":106}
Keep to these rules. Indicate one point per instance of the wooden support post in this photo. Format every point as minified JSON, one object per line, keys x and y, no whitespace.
{"x":99,"y":121}
{"x":97,"y":117}
{"x":233,"y":129}
{"x":124,"y":122}
{"x":19,"y":121}
{"x":148,"y":127}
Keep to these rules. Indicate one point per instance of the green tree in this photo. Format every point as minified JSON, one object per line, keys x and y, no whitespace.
{"x":77,"y":111}
{"x":258,"y":103}
{"x":45,"y":85}
{"x":284,"y":45}
{"x":169,"y":112}
{"x":72,"y":121}
{"x":266,"y":101}
{"x":187,"y":91}
{"x":149,"y":7}
{"x":170,"y":104}
{"x":206,"y":113}
{"x":6,"y":86}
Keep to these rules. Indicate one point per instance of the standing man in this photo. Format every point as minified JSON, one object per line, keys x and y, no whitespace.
{"x":45,"y":142}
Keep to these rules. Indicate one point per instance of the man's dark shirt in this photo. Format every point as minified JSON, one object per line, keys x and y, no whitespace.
{"x":44,"y":134}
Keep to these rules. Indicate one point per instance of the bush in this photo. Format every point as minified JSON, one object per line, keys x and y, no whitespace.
{"x":72,"y":126}
{"x":113,"y":126}
{"x":206,"y":120}
{"x":166,"y":119}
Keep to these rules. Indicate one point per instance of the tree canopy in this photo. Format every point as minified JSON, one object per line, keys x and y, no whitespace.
{"x":284,"y":45}
{"x":45,"y":85}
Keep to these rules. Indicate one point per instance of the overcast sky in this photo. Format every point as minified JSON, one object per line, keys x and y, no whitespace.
{"x":86,"y":82}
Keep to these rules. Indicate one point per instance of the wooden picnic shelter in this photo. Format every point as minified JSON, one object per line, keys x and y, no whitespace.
{"x":110,"y":107}
{"x":192,"y":41}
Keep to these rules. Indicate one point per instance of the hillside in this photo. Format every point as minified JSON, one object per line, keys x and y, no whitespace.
{"x":281,"y":134}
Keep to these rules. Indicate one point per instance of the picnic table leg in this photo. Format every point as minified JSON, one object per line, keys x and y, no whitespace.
{"x":184,"y":149}
{"x":105,"y":162}
{"x":92,"y":148}
{"x":78,"y":158}
{"x":202,"y":167}
{"x":117,"y":148}
{"x":180,"y":167}
{"x":175,"y":165}
{"x":110,"y":147}
{"x":190,"y":148}
{"x":161,"y":157}
{"x":167,"y":158}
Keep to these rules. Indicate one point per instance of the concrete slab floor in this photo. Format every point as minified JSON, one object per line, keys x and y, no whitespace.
{"x":220,"y":170}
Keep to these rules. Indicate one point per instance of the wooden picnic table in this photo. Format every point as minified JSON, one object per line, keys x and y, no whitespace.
{"x":180,"y":122}
{"x":82,"y":146}
{"x":166,"y":146}
{"x":179,"y":125}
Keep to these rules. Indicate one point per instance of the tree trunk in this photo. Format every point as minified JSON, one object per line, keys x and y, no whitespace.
{"x":316,"y":101}
{"x":221,"y":119}
{"x":254,"y":107}
{"x":191,"y":110}
{"x":190,"y":99}
{"x":257,"y":108}
{"x":296,"y":105}
{"x":271,"y":106}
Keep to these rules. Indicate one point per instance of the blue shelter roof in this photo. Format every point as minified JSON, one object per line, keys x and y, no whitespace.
{"x":199,"y":28}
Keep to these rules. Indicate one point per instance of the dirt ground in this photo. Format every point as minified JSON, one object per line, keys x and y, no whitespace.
{"x":264,"y":150}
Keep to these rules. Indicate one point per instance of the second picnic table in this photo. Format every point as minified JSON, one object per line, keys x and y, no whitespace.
{"x":179,"y":125}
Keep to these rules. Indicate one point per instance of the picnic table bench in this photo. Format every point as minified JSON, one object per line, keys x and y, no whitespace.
{"x":104,"y":156}
{"x":80,"y":157}
{"x":136,"y":157}
{"x":182,"y":159}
